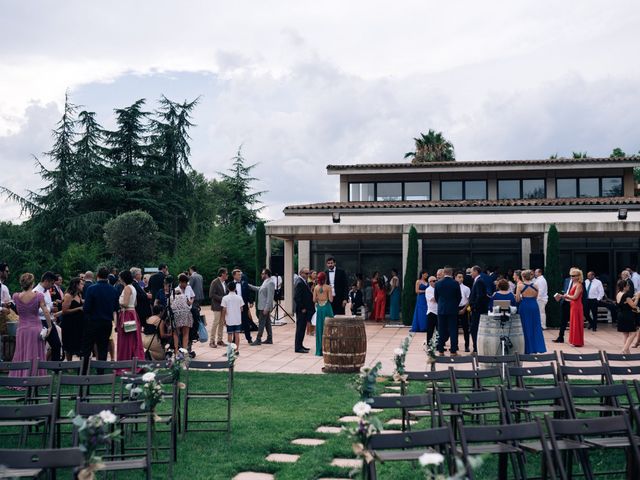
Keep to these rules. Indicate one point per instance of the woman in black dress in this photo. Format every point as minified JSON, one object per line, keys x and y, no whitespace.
{"x":626,"y":316}
{"x":72,"y":319}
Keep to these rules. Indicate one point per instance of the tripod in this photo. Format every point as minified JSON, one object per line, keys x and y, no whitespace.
{"x":279,"y":313}
{"x":505,"y":340}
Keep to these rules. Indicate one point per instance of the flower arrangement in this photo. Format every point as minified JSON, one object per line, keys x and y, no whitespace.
{"x":361,"y":433}
{"x":94,"y":432}
{"x":399,"y":357}
{"x":431,"y":460}
{"x":432,"y":347}
{"x":231,"y":353}
{"x":178,"y":363}
{"x":365,"y":382}
{"x":150,"y":392}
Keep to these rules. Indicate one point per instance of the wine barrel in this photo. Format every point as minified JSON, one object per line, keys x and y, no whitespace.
{"x":344,"y":344}
{"x":491,"y":329}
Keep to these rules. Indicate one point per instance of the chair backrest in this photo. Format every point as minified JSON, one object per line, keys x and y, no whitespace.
{"x":405,"y":401}
{"x":59,"y":366}
{"x":533,"y":394}
{"x":457,"y":360}
{"x":152,"y":364}
{"x":476,"y":378}
{"x":565,"y":372}
{"x":496,"y":359}
{"x":113,"y":365}
{"x":416,"y":439}
{"x":589,"y":426}
{"x":617,"y":395}
{"x":580,"y":357}
{"x":499,"y":433}
{"x":11,"y":366}
{"x":51,"y":458}
{"x":117,"y":408}
{"x":474,"y":400}
{"x":16,"y":412}
{"x":84,"y":382}
{"x":621,"y":357}
{"x":203,"y":365}
{"x":537,"y":357}
{"x":438,"y":379}
{"x":623,"y":371}
{"x":30,"y":384}
{"x":517,"y":375}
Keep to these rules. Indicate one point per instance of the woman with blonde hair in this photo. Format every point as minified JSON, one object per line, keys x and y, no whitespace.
{"x":576,"y":317}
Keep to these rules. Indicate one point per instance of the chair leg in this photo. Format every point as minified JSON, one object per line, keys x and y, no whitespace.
{"x":503,"y":466}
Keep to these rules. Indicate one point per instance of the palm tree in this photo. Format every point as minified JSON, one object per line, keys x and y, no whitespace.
{"x":579,"y":154}
{"x":432,"y":147}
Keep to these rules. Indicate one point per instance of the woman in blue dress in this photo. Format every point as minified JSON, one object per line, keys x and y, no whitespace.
{"x":420,"y":313}
{"x":394,"y":296}
{"x":527,"y":294}
{"x":503,"y":292}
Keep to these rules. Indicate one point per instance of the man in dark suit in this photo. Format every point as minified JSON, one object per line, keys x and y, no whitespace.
{"x":305,"y":309}
{"x":156,"y":281}
{"x":566,"y":310}
{"x":479,"y":301}
{"x":242,"y":289}
{"x":447,"y":294}
{"x":337,"y":278}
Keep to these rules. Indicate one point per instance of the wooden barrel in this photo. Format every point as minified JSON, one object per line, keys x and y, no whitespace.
{"x":490,"y":331}
{"x":344,"y":344}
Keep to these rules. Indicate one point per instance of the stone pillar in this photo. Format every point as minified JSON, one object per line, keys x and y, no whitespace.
{"x":545,"y":241}
{"x":526,"y":251}
{"x":419,"y":256}
{"x":267,"y":243}
{"x":304,"y":253}
{"x":287,"y":278}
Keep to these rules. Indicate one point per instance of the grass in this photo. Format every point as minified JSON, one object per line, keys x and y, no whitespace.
{"x":271,"y":410}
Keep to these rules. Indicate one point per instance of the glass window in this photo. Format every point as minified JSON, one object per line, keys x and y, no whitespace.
{"x":612,"y":187}
{"x":389,"y":192}
{"x":533,"y":188}
{"x":451,"y":190}
{"x":589,"y":187}
{"x":508,"y":189}
{"x":566,"y":188}
{"x":361,"y":192}
{"x":417,"y":191}
{"x":475,"y":190}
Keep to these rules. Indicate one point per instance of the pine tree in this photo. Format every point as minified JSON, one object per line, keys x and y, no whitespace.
{"x":553,"y":275}
{"x":410,"y":276}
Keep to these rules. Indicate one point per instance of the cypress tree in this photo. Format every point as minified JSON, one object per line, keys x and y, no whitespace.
{"x":261,"y":250}
{"x":553,"y":275}
{"x":410,"y":276}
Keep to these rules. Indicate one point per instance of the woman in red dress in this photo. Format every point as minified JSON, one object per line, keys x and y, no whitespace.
{"x":379,"y":298}
{"x":576,"y":317}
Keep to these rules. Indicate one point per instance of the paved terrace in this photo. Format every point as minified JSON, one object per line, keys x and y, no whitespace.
{"x":280,"y":357}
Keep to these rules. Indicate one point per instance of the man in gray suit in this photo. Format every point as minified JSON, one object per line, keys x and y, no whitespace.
{"x":266,"y":294}
{"x":195,"y":282}
{"x":217,"y":290}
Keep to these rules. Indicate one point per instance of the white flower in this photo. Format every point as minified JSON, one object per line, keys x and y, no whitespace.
{"x":431,"y":459}
{"x":183,"y":350}
{"x":398,"y":352}
{"x":361,"y":409}
{"x":233,"y":346}
{"x":107,"y":416}
{"x":149,"y":377}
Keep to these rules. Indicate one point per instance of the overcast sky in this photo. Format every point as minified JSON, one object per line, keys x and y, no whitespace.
{"x":302,"y":84}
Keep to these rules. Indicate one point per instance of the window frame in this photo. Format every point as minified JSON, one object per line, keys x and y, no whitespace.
{"x":600,"y":179}
{"x":520,"y":187}
{"x":464,"y":189}
{"x":403,"y":191}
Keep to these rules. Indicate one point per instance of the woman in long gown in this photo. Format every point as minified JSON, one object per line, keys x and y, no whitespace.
{"x":379,"y":299}
{"x":394,"y":296}
{"x":576,"y":316}
{"x":527,"y":295}
{"x":29,"y":344}
{"x":322,"y":297}
{"x":419,"y":323}
{"x":72,"y":319}
{"x":129,"y":339}
{"x":627,"y":305}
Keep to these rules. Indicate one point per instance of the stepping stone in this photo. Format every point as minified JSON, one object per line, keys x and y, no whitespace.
{"x":282,"y":458}
{"x":398,"y":421}
{"x":349,"y":419}
{"x":376,"y":410}
{"x":394,"y":389}
{"x":329,"y":430}
{"x":390,"y":395}
{"x":254,"y":476}
{"x":308,"y":442}
{"x":346,"y":463}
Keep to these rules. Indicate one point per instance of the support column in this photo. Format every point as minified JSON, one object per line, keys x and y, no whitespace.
{"x":526,"y":252}
{"x":287,"y":278}
{"x":304,"y":253}
{"x":420,"y":263}
{"x":545,"y":241}
{"x":267,"y":243}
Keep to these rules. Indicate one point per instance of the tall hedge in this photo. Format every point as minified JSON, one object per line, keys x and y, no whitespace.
{"x":553,"y":275}
{"x":261,"y":250}
{"x":410,"y":276}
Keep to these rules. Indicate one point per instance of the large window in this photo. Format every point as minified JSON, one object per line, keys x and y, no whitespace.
{"x":467,"y":190}
{"x":534,"y":188}
{"x":589,"y":187}
{"x":389,"y":191}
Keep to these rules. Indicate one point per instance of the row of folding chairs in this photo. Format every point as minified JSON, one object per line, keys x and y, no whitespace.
{"x":556,"y":442}
{"x":41,"y":420}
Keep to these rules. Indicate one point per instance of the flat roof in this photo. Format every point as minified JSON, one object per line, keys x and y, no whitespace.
{"x":486,"y":165}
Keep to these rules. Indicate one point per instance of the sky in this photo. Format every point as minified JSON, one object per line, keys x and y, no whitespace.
{"x":303,"y":84}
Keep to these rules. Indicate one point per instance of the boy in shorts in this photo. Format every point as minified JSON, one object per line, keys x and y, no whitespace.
{"x":231,"y":315}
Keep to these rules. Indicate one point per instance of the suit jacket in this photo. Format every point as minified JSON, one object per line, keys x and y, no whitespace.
{"x":303,"y":296}
{"x":479,"y":300}
{"x":196,"y":282}
{"x":156,"y":283}
{"x":340,"y":285}
{"x":489,"y":282}
{"x":447,"y":294}
{"x":266,"y":293}
{"x":216,"y":292}
{"x":143,"y":306}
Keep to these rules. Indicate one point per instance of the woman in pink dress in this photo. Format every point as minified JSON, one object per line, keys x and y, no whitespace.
{"x":128,"y":324}
{"x":576,"y":318}
{"x":29,"y":344}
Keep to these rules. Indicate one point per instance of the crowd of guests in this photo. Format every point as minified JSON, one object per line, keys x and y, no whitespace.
{"x":448,"y":301}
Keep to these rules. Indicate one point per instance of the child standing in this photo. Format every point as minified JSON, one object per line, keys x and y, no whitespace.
{"x":231,"y":316}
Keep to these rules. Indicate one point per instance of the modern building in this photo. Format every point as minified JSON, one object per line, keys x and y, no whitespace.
{"x":491,"y":213}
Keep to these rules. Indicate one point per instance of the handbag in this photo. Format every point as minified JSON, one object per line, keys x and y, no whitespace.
{"x":129,"y":326}
{"x":203,"y":335}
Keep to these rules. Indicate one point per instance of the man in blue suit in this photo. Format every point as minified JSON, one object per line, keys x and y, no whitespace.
{"x":479,"y":301}
{"x":447,"y":294}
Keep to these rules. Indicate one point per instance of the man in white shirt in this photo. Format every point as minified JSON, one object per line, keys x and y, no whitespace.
{"x":543,"y":296}
{"x":432,"y":309}
{"x":594,"y":292}
{"x":232,"y":305}
{"x":463,"y":312}
{"x":635,"y":279}
{"x":5,"y":296}
{"x":53,"y":339}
